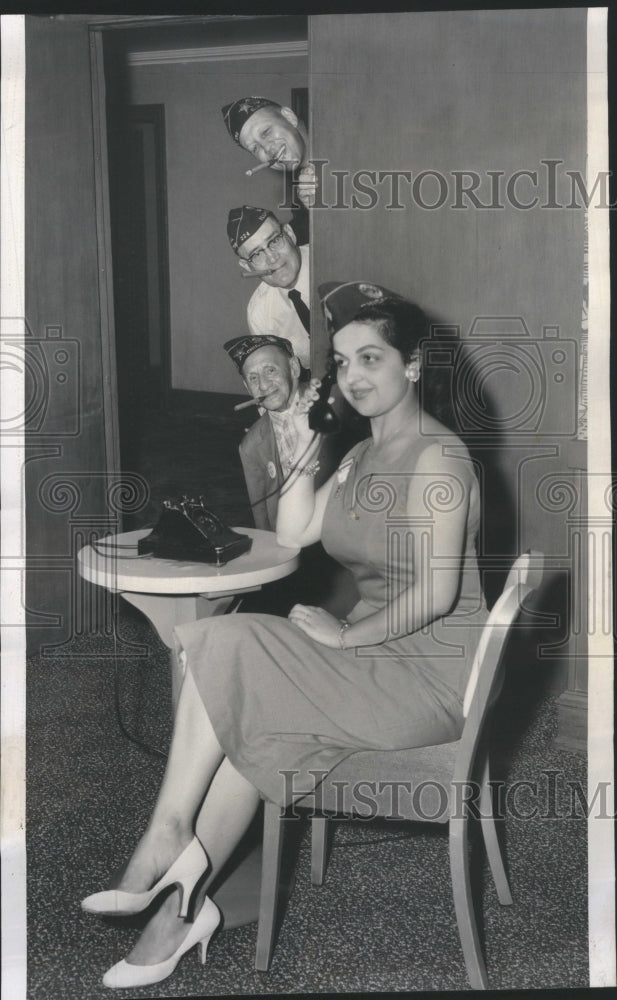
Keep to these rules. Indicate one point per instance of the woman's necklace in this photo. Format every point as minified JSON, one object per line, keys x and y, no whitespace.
{"x":352,"y":511}
{"x":349,"y":472}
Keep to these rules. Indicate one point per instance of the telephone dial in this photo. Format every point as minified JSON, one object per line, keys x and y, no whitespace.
{"x":187,"y":530}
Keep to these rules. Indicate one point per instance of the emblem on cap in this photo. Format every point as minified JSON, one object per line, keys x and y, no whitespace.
{"x":236,"y":114}
{"x":343,"y":301}
{"x":371,"y":291}
{"x":240,"y":348}
{"x":271,"y":470}
{"x":243,"y":222}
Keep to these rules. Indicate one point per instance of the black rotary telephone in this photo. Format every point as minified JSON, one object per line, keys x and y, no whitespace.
{"x":322,"y":419}
{"x":187,"y":530}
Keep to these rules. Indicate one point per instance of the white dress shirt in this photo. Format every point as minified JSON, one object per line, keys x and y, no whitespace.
{"x":270,"y":311}
{"x":285,"y":433}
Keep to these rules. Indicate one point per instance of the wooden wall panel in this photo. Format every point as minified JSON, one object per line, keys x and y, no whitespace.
{"x":66,"y":476}
{"x":463,"y":91}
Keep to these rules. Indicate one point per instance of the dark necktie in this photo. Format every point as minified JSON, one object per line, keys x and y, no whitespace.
{"x":301,"y":308}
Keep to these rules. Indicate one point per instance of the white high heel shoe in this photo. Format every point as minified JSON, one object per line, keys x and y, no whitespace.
{"x":185,"y":872}
{"x":123,"y":974}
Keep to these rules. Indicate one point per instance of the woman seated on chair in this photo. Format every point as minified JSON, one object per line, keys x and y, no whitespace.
{"x":264,"y":695}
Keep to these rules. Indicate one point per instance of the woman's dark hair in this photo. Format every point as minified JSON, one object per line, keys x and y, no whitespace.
{"x":404,"y":326}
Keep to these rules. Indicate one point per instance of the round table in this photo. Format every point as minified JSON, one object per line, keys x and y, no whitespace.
{"x":172,"y":592}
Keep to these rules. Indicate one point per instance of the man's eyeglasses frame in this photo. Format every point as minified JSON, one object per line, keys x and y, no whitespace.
{"x":274,"y":245}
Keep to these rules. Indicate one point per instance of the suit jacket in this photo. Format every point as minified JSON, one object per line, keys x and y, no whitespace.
{"x":262,"y":471}
{"x":264,"y":475}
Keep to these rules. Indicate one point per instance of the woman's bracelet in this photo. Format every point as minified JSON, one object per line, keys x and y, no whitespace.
{"x":341,"y":634}
{"x":311,"y":469}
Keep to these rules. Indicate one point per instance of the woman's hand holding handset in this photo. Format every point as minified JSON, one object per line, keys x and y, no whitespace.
{"x":301,"y":506}
{"x":309,"y":441}
{"x":300,"y":412}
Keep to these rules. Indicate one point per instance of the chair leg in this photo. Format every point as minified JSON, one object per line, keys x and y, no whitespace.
{"x":272,"y":853}
{"x":491,"y":841}
{"x":463,"y":904}
{"x":320,"y":836}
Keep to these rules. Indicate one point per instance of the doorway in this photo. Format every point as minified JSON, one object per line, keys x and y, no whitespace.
{"x":167,"y":177}
{"x":138,"y":204}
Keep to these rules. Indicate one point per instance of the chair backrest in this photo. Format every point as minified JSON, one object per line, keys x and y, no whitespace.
{"x":485,"y":677}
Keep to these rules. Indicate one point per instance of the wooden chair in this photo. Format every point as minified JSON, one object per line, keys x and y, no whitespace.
{"x":451,"y":770}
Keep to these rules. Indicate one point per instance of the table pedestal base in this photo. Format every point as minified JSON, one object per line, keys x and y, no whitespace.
{"x":165,"y":611}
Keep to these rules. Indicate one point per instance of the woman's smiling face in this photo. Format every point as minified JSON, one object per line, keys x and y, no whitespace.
{"x":370,"y":373}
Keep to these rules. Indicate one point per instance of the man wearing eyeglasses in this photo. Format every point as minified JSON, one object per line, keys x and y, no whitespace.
{"x":267,"y":250}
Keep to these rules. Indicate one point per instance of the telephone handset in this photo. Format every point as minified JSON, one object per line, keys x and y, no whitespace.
{"x":322,"y":417}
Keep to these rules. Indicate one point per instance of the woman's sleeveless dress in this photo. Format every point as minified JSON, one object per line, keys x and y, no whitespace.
{"x":282,"y":704}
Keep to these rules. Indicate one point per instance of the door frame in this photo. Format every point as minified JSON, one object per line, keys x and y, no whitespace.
{"x":154,"y":114}
{"x":103,"y":235}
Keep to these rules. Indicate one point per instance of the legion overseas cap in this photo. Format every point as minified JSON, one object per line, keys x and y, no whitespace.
{"x":240,"y":348}
{"x":243,"y":222}
{"x":341,"y":301}
{"x":235,"y":115}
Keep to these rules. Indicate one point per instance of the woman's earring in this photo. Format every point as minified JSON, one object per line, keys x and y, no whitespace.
{"x":412,"y":372}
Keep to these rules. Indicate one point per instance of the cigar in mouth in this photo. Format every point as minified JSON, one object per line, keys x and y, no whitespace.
{"x":254,"y":401}
{"x":264,"y":166}
{"x":257,"y":274}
